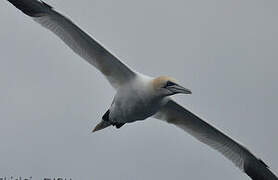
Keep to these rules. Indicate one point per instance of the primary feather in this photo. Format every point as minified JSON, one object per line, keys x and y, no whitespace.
{"x":175,"y":114}
{"x":80,"y":42}
{"x":138,"y":96}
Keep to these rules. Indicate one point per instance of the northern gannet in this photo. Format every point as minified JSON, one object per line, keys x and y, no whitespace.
{"x":139,"y":96}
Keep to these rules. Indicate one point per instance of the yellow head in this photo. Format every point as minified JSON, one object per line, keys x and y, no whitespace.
{"x":166,"y":86}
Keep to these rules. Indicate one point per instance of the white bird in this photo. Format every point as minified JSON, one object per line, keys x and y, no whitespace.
{"x":138,"y":96}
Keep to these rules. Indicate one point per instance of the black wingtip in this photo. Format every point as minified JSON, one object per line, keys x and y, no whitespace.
{"x":47,"y":5}
{"x":256,"y":169}
{"x":261,"y":161}
{"x":33,"y":8}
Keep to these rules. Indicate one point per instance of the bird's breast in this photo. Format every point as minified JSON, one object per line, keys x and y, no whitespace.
{"x":131,"y":105}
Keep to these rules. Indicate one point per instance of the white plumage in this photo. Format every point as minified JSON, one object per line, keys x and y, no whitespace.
{"x":138,"y":96}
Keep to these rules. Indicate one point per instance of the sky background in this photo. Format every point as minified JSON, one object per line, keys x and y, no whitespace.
{"x":224,"y":51}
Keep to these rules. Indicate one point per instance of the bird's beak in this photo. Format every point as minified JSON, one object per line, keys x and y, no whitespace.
{"x":179,"y":89}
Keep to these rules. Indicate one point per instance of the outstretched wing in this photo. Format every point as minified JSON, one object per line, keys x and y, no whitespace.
{"x":175,"y":114}
{"x":80,"y":42}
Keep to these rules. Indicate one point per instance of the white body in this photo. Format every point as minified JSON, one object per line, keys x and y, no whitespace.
{"x":136,"y":100}
{"x":139,"y":97}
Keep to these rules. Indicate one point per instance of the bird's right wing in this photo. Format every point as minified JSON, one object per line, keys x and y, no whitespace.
{"x":80,"y":42}
{"x":175,"y":114}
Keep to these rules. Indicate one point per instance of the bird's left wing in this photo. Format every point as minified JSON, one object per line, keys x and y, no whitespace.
{"x":175,"y":114}
{"x":80,"y":42}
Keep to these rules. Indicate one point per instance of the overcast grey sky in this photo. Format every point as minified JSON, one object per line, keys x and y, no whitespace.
{"x":224,"y":51}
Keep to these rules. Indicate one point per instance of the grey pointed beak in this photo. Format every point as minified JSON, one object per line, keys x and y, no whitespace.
{"x":179,"y":89}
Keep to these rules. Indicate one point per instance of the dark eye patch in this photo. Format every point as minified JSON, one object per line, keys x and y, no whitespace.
{"x":169,"y":83}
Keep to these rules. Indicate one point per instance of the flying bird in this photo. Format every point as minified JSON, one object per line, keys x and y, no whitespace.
{"x":139,"y":96}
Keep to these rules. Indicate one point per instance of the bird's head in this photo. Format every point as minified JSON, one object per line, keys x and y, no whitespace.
{"x":166,"y":86}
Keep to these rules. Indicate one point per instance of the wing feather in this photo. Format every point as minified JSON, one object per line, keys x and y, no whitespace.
{"x":175,"y":114}
{"x":80,"y":42}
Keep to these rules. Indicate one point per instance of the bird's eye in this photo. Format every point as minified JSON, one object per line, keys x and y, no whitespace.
{"x":169,"y":83}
